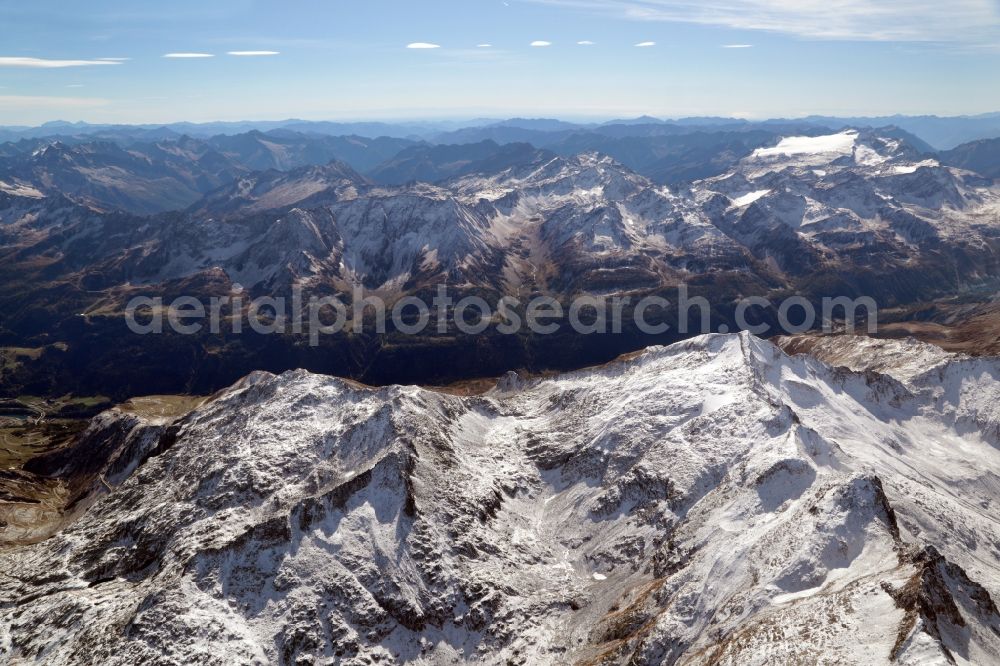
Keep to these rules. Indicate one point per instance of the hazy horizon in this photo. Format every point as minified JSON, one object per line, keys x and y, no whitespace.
{"x":461,"y":120}
{"x":115,"y":62}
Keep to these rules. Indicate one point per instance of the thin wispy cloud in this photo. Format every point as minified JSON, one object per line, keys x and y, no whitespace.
{"x":644,"y":45}
{"x":541,"y":44}
{"x":114,"y":59}
{"x":484,"y":46}
{"x":423,"y":45}
{"x":585,"y":42}
{"x":182,"y":56}
{"x":737,"y":46}
{"x":252,"y":54}
{"x":965,"y":21}
{"x":46,"y":63}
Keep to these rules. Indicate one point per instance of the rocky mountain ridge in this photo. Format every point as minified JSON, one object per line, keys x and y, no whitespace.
{"x":715,"y":501}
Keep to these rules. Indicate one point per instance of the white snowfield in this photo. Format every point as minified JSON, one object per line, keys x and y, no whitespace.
{"x":749,"y":198}
{"x":711,"y":502}
{"x":841,"y":143}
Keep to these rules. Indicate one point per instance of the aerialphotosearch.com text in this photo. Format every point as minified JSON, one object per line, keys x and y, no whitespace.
{"x":318,"y":316}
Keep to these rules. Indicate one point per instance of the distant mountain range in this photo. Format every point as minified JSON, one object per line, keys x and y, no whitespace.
{"x":147,"y":177}
{"x":942,"y":133}
{"x":85,"y":227}
{"x":119,"y":170}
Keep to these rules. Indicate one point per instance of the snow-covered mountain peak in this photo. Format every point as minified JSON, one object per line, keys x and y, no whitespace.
{"x":587,"y":177}
{"x":715,"y":497}
{"x":821,"y":155}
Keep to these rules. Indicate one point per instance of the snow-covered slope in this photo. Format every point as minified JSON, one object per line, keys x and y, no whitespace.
{"x":715,"y":501}
{"x":859,"y":200}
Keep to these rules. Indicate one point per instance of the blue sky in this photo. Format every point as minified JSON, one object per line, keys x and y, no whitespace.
{"x":337,"y":59}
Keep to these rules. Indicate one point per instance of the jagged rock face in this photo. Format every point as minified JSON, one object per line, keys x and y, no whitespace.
{"x":103,"y":175}
{"x":715,"y":501}
{"x":306,"y":187}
